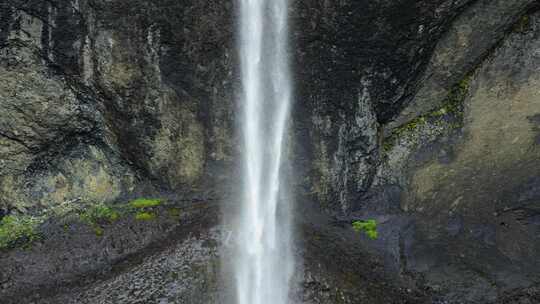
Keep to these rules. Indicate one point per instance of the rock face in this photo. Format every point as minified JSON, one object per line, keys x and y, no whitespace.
{"x":422,"y":115}
{"x":118,"y":89}
{"x":474,"y":193}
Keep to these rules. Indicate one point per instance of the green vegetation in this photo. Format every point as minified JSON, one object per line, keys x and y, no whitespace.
{"x":452,"y":105}
{"x":145,"y":203}
{"x":97,"y":215}
{"x":98,"y":230}
{"x":388,"y":144}
{"x":369,"y":227}
{"x":145,"y":216}
{"x":18,"y":231}
{"x":22,"y":230}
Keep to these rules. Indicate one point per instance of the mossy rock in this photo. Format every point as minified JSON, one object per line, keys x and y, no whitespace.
{"x":451,"y":112}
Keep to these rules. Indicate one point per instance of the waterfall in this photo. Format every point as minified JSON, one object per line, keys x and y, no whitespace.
{"x":263,"y":260}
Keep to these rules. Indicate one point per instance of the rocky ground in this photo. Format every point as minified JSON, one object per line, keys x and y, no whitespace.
{"x":423,"y":116}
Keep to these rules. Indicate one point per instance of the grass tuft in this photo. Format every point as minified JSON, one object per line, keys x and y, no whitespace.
{"x":369,"y":227}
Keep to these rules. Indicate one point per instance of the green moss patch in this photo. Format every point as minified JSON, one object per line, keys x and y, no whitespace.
{"x":145,"y":203}
{"x":18,"y":231}
{"x":22,"y":230}
{"x":144,"y":207}
{"x":98,"y":230}
{"x":97,"y":215}
{"x":369,"y":227}
{"x":145,"y":216}
{"x":453,"y":103}
{"x":100,"y":214}
{"x":452,"y":107}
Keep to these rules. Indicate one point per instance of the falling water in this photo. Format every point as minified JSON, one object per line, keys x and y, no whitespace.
{"x":263,"y":262}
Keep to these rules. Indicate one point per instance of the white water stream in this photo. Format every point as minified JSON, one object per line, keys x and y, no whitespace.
{"x":263,"y":262}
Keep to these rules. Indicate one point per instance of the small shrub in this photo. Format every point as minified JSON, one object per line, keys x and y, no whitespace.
{"x":18,"y":230}
{"x":145,"y":203}
{"x":369,"y":227}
